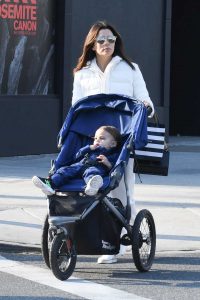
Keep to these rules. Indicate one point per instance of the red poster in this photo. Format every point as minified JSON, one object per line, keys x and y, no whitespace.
{"x":27,"y":29}
{"x":23,"y":15}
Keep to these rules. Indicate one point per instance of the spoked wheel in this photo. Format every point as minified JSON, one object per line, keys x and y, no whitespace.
{"x":45,"y":241}
{"x":62,"y":256}
{"x":144,"y":240}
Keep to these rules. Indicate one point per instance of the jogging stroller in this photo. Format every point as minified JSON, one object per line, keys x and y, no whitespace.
{"x":91,"y":225}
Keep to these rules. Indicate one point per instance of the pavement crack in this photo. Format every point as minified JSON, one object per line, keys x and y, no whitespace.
{"x":32,"y":214}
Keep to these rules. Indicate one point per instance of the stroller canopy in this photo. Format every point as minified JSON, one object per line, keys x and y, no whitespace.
{"x":89,"y":113}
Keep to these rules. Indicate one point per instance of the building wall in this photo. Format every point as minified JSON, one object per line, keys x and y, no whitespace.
{"x":29,"y":124}
{"x":185,"y":66}
{"x":145,"y":29}
{"x":30,"y":110}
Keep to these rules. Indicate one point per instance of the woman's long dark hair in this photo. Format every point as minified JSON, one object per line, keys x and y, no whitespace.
{"x":88,"y":54}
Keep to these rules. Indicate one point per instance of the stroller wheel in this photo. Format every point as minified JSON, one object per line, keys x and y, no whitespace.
{"x":45,"y":241}
{"x":62,"y":256}
{"x":144,"y":240}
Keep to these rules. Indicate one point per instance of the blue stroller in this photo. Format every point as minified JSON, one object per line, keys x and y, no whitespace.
{"x":91,"y":225}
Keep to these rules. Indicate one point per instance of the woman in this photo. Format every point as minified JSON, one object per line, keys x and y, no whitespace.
{"x":104,"y":68}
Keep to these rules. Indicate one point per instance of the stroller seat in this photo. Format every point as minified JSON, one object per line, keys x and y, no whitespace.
{"x":78,"y":185}
{"x":88,"y":114}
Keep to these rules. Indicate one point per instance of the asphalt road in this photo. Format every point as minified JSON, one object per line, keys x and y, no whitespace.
{"x":174,"y":275}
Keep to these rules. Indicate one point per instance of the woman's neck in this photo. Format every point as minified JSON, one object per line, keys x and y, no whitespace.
{"x":102,"y":62}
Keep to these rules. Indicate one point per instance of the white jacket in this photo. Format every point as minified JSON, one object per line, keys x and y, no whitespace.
{"x":118,"y":78}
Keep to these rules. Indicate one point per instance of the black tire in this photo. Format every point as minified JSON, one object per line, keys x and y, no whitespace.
{"x":62,"y":257}
{"x":45,"y":241}
{"x":144,"y":240}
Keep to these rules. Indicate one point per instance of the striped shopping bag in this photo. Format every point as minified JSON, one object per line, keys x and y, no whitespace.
{"x":153,"y":159}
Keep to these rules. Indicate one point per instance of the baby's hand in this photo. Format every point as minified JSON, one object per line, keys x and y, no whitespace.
{"x":94,"y":146}
{"x":103,"y":159}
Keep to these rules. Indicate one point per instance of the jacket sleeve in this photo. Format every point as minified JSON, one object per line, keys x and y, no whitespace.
{"x":83,"y":151}
{"x":139,"y":88}
{"x":77,"y":90}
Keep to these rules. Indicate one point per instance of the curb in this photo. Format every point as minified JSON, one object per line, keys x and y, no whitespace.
{"x":11,"y":247}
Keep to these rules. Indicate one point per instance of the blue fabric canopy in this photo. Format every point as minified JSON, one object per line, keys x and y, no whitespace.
{"x":128,"y":115}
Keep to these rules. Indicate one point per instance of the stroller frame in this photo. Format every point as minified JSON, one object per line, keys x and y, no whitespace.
{"x":58,"y":245}
{"x":61,"y":257}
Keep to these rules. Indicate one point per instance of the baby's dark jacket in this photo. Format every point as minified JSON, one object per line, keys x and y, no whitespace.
{"x":88,"y":156}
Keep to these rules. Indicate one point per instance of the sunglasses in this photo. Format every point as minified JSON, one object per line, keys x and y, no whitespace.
{"x":110,"y":39}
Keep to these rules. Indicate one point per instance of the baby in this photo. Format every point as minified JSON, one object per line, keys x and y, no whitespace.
{"x":92,"y":163}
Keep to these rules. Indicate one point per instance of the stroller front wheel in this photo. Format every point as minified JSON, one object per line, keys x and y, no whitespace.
{"x":144,"y":240}
{"x":62,"y":256}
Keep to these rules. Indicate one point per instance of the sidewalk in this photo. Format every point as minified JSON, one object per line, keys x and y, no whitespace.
{"x":173,"y":200}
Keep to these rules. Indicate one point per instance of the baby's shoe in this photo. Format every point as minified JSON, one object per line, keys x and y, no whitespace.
{"x":93,"y":185}
{"x":43,"y":184}
{"x":107,"y":259}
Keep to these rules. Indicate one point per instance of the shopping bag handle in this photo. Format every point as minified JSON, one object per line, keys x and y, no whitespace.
{"x":157,"y":123}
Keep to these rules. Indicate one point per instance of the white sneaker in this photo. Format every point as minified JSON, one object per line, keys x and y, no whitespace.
{"x":43,"y":184}
{"x":107,"y":259}
{"x":124,"y":250}
{"x":93,"y":185}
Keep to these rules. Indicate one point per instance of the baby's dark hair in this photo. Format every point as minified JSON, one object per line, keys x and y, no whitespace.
{"x":114,"y":132}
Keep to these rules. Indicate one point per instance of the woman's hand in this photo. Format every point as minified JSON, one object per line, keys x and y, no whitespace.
{"x":103,"y":159}
{"x":150,"y":110}
{"x":146,"y":103}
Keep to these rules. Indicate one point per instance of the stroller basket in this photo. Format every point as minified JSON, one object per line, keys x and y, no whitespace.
{"x":99,"y":232}
{"x":71,"y":204}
